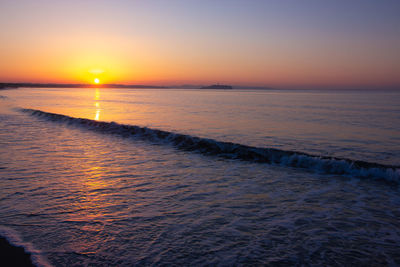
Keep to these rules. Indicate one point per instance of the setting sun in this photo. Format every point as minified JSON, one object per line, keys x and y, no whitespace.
{"x":96,"y":81}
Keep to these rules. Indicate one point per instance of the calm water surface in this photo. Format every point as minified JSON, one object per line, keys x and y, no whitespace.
{"x":81,"y":197}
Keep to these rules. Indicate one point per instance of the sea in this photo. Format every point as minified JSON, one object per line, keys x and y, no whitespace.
{"x":187,"y":177}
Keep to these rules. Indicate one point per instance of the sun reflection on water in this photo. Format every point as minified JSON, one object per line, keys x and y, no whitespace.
{"x":97,"y":94}
{"x":97,"y":104}
{"x":92,"y":207}
{"x":97,"y":116}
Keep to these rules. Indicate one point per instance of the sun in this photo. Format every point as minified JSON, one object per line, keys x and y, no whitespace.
{"x":96,"y":81}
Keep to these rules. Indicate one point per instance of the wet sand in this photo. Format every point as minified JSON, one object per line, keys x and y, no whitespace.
{"x":17,"y":256}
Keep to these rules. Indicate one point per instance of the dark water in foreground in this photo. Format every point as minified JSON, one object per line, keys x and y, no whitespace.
{"x":78,"y":196}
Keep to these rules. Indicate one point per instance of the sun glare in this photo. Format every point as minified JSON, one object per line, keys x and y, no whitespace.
{"x":96,"y":81}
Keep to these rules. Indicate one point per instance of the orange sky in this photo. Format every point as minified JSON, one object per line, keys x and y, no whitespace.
{"x":234,"y":42}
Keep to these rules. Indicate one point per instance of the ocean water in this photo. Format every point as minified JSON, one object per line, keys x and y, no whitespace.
{"x":124,"y":177}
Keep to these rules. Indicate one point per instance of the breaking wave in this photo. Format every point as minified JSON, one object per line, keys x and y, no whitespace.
{"x":322,"y":164}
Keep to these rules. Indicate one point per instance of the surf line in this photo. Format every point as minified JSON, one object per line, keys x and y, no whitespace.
{"x":321,"y":164}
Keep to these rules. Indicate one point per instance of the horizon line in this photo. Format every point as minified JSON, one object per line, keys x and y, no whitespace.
{"x":4,"y":85}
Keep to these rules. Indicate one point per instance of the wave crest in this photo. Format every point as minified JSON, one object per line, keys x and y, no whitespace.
{"x":324,"y":164}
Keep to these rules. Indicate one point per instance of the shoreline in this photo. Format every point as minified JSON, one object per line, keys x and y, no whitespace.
{"x":16,"y":255}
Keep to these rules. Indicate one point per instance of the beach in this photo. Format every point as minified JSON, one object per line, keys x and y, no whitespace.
{"x":13,"y":255}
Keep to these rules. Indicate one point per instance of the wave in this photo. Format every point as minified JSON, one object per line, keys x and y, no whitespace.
{"x":322,"y":164}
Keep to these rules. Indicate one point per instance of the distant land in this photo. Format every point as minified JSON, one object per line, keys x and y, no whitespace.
{"x":139,"y":86}
{"x":217,"y":86}
{"x":75,"y":85}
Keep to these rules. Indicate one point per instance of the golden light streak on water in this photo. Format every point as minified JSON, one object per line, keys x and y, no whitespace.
{"x":97,"y":104}
{"x":97,"y":116}
{"x":97,"y":94}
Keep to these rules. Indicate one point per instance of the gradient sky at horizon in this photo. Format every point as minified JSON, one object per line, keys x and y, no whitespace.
{"x":277,"y":43}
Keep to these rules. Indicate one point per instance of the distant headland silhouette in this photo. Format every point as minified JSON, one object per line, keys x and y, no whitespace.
{"x":75,"y":85}
{"x":6,"y":85}
{"x":217,"y":86}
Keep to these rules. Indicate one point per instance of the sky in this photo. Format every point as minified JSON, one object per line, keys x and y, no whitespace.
{"x":274,"y":43}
